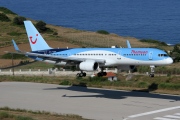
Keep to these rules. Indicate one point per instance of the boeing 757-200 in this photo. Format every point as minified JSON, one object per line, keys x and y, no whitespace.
{"x":90,"y":59}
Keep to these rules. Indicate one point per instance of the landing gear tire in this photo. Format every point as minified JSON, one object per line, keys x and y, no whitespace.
{"x":152,"y":71}
{"x":151,"y":75}
{"x":82,"y":74}
{"x":104,"y":73}
{"x":100,"y":74}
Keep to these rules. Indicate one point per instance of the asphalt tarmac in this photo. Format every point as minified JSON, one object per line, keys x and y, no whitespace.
{"x":92,"y":103}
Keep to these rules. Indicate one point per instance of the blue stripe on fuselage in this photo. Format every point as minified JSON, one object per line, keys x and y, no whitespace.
{"x":133,"y":53}
{"x":50,"y":51}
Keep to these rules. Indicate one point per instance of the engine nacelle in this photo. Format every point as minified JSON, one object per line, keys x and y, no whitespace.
{"x":126,"y":67}
{"x":88,"y":65}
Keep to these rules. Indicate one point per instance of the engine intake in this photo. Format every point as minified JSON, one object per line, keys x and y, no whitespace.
{"x":88,"y":65}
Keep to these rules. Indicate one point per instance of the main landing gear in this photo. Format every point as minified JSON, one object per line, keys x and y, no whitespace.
{"x":81,"y":74}
{"x":100,"y":74}
{"x":152,"y":71}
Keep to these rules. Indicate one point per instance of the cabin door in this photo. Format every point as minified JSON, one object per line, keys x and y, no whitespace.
{"x":69,"y":54}
{"x":119,"y":55}
{"x":150,"y":55}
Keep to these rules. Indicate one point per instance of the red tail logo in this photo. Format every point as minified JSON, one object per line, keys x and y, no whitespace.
{"x":33,"y":42}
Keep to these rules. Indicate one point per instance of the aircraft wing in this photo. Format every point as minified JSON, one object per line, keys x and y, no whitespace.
{"x":57,"y":58}
{"x":52,"y":57}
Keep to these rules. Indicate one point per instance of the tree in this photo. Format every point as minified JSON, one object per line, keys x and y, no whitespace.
{"x":103,"y":32}
{"x":41,"y":26}
{"x":19,"y":20}
{"x":6,"y":11}
{"x":4,"y":18}
{"x":176,"y":49}
{"x":175,"y":54}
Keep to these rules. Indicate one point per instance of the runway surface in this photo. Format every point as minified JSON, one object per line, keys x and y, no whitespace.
{"x":92,"y":103}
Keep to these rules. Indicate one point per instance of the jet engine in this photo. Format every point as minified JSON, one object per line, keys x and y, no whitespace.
{"x":88,"y":65}
{"x":126,"y":67}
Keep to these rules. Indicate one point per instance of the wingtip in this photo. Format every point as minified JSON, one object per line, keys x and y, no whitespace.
{"x":128,"y":44}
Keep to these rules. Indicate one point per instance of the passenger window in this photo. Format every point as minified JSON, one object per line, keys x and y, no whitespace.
{"x":165,"y":55}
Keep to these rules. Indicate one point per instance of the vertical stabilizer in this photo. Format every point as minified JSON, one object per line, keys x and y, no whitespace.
{"x":35,"y":39}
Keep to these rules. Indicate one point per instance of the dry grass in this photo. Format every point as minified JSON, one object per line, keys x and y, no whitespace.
{"x":7,"y":62}
{"x":174,"y":65}
{"x":43,"y":116}
{"x":93,"y":39}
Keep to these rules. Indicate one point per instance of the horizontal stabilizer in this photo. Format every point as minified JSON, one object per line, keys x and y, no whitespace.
{"x":15,"y":46}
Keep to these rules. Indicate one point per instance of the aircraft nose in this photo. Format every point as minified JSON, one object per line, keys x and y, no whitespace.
{"x":169,"y":60}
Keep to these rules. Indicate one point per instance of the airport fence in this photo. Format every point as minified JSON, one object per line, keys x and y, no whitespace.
{"x":66,"y":72}
{"x":47,"y":72}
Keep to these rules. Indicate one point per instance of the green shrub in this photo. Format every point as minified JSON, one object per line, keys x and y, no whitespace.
{"x":15,"y":56}
{"x":95,"y":78}
{"x":23,"y":62}
{"x":7,"y":11}
{"x":19,"y":20}
{"x":153,"y":86}
{"x":23,"y":118}
{"x":55,"y":33}
{"x":169,"y":75}
{"x":14,"y":34}
{"x":170,"y":86}
{"x":41,"y":26}
{"x":142,"y":84}
{"x":50,"y":31}
{"x":65,"y":82}
{"x":143,"y":69}
{"x":4,"y":115}
{"x":153,"y":41}
{"x":102,"y":32}
{"x":4,"y":18}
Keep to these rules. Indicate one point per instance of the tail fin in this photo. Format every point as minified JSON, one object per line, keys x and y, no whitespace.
{"x":35,"y":39}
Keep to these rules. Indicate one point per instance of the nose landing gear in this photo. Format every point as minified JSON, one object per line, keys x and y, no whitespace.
{"x":152,"y":71}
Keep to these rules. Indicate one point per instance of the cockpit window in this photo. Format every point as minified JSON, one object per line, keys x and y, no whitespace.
{"x":162,"y":55}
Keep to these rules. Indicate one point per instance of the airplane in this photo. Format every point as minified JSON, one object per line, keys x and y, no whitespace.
{"x":90,"y":59}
